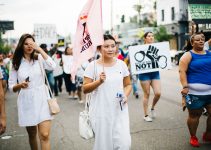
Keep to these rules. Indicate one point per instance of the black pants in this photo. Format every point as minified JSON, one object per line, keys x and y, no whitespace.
{"x":70,"y":87}
{"x":58,"y":84}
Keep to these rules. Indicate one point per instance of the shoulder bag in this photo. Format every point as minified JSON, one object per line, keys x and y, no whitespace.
{"x":52,"y":102}
{"x":85,"y":127}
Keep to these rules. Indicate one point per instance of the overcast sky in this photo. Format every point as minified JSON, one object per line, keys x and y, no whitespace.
{"x":63,"y":13}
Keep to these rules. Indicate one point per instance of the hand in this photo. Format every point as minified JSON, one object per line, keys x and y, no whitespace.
{"x":183,"y":103}
{"x":102,"y":77}
{"x":152,"y":54}
{"x":2,"y":125}
{"x":185,"y":91}
{"x":125,"y":100}
{"x":36,"y":47}
{"x":24,"y":84}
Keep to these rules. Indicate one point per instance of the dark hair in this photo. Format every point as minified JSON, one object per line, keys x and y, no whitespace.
{"x":107,"y":37}
{"x":18,"y":55}
{"x":65,"y":51}
{"x":43,"y":46}
{"x":146,"y":33}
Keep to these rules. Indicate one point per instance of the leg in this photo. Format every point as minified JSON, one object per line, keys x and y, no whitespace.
{"x":44,"y":134}
{"x":79,"y":92}
{"x":32,"y":133}
{"x":60,"y":81}
{"x":73,"y":88}
{"x":146,"y":89}
{"x":208,"y":130}
{"x":157,"y":91}
{"x":193,"y":120}
{"x":67,"y":82}
{"x":56,"y":86}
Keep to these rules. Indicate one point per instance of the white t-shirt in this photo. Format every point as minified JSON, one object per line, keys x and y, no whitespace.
{"x":81,"y":69}
{"x":58,"y":70}
{"x":67,"y":63}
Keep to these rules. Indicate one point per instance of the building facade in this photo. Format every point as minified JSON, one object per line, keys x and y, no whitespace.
{"x":173,"y":14}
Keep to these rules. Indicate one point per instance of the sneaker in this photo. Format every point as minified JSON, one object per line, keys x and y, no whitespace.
{"x":152,"y":114}
{"x":206,"y":137}
{"x":80,"y":101}
{"x":194,"y":141}
{"x":75,"y":97}
{"x":70,"y":96}
{"x":147,"y":119}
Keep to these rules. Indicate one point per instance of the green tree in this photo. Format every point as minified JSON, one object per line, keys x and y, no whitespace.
{"x":4,"y":48}
{"x":138,"y":8}
{"x":162,"y":35}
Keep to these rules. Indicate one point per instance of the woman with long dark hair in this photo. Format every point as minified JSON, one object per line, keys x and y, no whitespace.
{"x":26,"y":78}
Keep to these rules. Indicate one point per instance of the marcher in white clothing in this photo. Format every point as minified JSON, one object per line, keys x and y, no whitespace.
{"x":26,"y":77}
{"x":67,"y":60}
{"x":109,"y":118}
{"x":58,"y":72}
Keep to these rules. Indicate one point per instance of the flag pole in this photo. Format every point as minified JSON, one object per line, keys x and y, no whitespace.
{"x":103,"y":61}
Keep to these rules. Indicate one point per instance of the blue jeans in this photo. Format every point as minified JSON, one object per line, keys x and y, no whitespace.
{"x":50,"y":80}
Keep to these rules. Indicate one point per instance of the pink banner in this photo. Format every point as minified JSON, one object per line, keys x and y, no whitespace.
{"x":89,"y":34}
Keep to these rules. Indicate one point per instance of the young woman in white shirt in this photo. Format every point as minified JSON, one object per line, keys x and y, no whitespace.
{"x":109,"y":114}
{"x":26,"y":78}
{"x":67,"y":60}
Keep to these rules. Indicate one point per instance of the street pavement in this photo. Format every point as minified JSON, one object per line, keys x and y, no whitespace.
{"x":167,"y":132}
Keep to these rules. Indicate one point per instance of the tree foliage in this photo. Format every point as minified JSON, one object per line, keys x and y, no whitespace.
{"x":4,"y":48}
{"x":162,"y":35}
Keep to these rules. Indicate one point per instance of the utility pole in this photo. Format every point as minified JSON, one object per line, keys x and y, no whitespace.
{"x":112,"y":17}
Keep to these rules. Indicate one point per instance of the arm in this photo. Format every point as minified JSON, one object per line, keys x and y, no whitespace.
{"x":183,"y":67}
{"x":127,"y":87}
{"x":13,"y":85}
{"x":49,"y":64}
{"x":2,"y":109}
{"x":89,"y":85}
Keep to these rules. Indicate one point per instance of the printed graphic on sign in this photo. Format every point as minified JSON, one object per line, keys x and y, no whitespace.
{"x":149,"y":58}
{"x":86,"y":37}
{"x":45,"y":33}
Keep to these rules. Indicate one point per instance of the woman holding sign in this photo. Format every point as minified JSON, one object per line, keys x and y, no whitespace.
{"x":109,"y":81}
{"x":150,"y":79}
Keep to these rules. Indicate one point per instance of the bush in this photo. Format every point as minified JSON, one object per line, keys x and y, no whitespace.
{"x":162,"y":35}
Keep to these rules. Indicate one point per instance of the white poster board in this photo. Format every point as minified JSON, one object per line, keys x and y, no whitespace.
{"x":149,"y":57}
{"x":45,"y":34}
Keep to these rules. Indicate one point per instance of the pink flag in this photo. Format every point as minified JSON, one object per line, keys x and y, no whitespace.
{"x":89,"y":34}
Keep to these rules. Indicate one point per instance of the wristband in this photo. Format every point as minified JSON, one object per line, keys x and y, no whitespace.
{"x":184,"y":87}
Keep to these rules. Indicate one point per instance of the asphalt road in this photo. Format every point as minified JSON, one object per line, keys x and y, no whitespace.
{"x":167,"y":132}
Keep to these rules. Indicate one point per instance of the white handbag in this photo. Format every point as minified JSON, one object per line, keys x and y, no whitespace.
{"x":85,"y":127}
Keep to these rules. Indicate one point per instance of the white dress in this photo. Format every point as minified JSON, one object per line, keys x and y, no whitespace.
{"x":32,"y":102}
{"x":109,"y":122}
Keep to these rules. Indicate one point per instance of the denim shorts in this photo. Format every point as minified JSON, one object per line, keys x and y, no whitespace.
{"x":198,"y":101}
{"x":149,"y":76}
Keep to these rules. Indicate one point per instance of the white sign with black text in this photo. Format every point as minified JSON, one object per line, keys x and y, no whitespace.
{"x":45,"y":34}
{"x":149,"y":57}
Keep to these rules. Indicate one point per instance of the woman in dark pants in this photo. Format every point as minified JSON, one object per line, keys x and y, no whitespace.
{"x":67,"y":60}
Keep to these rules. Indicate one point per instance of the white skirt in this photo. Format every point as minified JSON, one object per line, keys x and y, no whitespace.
{"x":33,"y":106}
